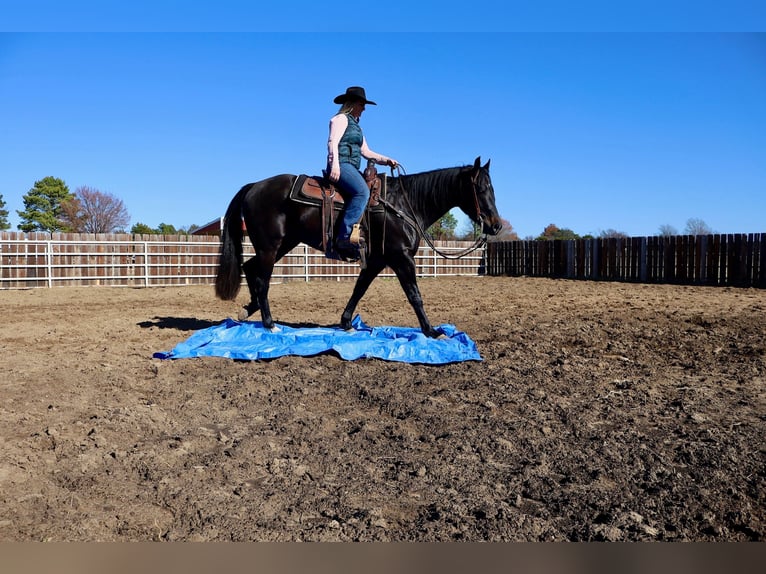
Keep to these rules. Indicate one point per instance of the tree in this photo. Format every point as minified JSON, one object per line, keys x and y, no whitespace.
{"x":92,"y":211}
{"x":667,"y":230}
{"x":695,"y":226}
{"x":166,"y":229}
{"x":612,"y":233}
{"x":161,"y":229}
{"x":507,"y":233}
{"x":444,"y":228}
{"x":473,"y":230}
{"x":142,"y":229}
{"x":553,"y":232}
{"x":4,"y":224}
{"x":42,"y":205}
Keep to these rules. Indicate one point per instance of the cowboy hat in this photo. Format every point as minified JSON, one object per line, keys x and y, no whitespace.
{"x":353,"y":93}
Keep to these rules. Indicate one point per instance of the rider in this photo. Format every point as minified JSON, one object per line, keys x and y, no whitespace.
{"x":345,"y":148}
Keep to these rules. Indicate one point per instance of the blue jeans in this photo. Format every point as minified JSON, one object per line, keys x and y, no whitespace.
{"x":356,"y":194}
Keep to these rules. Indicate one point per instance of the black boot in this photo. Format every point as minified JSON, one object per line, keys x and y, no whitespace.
{"x":346,"y":249}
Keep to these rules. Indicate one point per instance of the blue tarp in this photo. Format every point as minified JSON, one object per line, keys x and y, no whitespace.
{"x":250,"y":341}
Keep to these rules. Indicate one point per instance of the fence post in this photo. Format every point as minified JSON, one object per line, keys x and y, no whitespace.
{"x":49,"y":262}
{"x":146,"y":264}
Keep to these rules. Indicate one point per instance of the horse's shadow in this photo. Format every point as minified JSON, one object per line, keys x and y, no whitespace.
{"x":194,"y":324}
{"x":178,"y":323}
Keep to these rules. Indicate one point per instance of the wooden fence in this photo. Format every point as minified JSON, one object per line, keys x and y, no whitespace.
{"x":124,"y":260}
{"x":735,"y":260}
{"x":60,"y":259}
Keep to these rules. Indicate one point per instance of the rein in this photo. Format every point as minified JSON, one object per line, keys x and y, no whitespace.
{"x":480,"y":241}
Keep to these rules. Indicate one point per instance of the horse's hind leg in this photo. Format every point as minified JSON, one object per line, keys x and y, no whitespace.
{"x":258,"y":272}
{"x":250,"y":267}
{"x":373,"y":268}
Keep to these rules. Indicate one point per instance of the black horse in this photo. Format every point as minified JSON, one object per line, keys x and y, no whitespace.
{"x":276,"y":224}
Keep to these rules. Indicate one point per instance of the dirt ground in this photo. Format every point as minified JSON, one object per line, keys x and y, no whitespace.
{"x":601,"y":411}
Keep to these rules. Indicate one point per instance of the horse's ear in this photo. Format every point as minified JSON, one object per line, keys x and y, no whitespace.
{"x":477,"y":163}
{"x":486,"y":165}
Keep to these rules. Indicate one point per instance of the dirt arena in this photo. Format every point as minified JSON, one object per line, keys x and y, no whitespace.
{"x":601,"y":411}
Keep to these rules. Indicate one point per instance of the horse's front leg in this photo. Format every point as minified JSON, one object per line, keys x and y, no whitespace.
{"x":405,"y":272}
{"x":366,"y":276}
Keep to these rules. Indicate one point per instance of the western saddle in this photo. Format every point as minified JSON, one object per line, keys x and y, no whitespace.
{"x":320,"y":191}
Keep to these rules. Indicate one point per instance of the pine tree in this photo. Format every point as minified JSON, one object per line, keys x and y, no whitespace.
{"x":4,"y":224}
{"x":42,"y":205}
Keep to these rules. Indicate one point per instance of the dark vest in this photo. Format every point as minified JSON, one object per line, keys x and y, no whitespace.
{"x":349,"y":147}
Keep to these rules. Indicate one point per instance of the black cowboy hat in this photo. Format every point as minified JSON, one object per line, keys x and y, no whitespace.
{"x":353,"y":93}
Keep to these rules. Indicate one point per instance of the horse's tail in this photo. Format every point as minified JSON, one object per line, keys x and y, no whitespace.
{"x":228,"y":278}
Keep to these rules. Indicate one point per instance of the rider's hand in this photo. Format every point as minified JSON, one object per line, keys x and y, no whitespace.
{"x":335,"y":173}
{"x":392,"y":162}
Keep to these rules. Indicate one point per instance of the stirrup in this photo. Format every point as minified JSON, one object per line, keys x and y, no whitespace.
{"x":356,"y":234}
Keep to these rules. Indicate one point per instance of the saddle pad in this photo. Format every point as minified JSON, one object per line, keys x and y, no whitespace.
{"x":248,"y":340}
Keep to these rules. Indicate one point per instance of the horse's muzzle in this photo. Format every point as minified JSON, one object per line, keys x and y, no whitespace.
{"x":492,"y":228}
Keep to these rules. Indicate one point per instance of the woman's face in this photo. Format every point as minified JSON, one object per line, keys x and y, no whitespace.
{"x":357,"y":107}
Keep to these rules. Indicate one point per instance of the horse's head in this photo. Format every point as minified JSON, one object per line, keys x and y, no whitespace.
{"x":478,"y":198}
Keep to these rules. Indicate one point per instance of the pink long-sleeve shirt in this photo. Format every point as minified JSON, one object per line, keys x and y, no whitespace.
{"x":338,"y":125}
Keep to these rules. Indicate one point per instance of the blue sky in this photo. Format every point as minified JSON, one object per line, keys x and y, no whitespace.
{"x":173,"y":111}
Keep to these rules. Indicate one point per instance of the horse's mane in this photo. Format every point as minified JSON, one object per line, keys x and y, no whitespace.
{"x":431,"y":189}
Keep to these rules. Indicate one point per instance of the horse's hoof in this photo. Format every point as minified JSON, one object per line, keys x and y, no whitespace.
{"x":243,"y":314}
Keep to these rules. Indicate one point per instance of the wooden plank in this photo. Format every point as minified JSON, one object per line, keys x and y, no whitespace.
{"x":732,"y":267}
{"x":541,"y":259}
{"x":528,"y":257}
{"x":570,"y":254}
{"x":579,"y":270}
{"x":760,"y":241}
{"x":733,"y":243}
{"x":595,"y":262}
{"x":659,"y":259}
{"x":700,"y":255}
{"x":560,"y":261}
{"x":643,"y":267}
{"x":713,"y":264}
{"x":681,"y":245}
{"x":669,"y":264}
{"x":612,"y":269}
{"x":742,"y":272}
